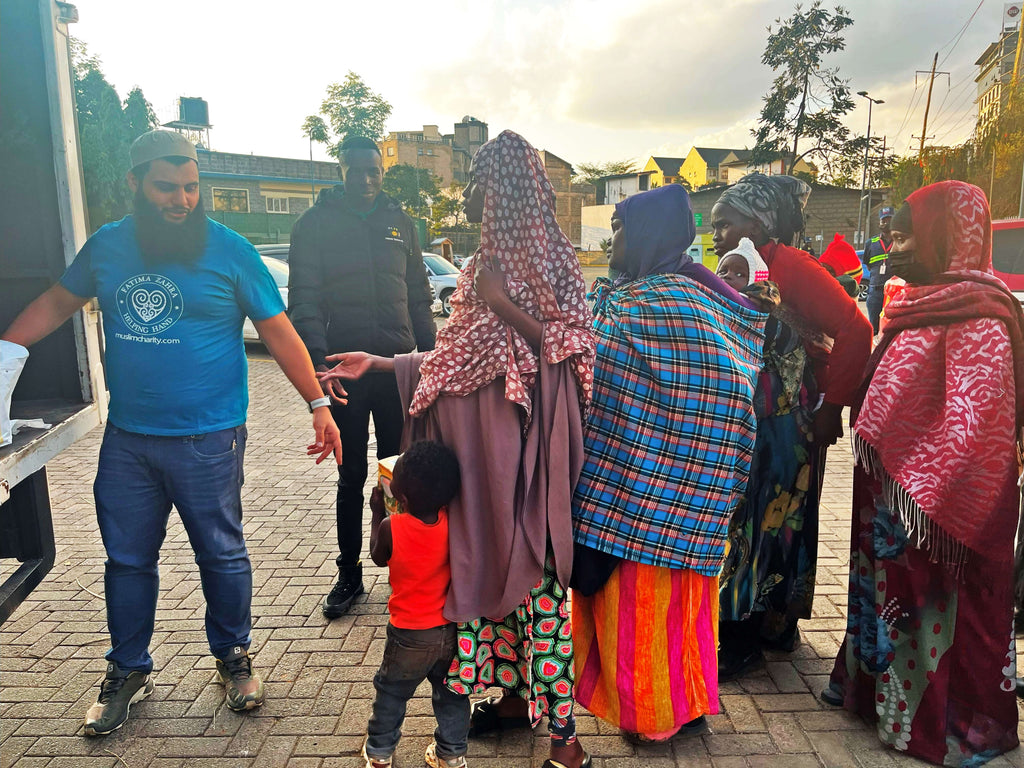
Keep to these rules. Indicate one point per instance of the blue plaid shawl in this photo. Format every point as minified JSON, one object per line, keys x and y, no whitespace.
{"x":671,"y":429}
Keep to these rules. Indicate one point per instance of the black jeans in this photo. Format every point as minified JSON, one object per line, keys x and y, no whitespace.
{"x":410,"y":657}
{"x":377,"y":394}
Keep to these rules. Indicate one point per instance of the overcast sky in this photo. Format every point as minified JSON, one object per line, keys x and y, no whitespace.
{"x":590,"y":80}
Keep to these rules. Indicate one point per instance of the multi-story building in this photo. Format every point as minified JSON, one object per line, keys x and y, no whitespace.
{"x":701,"y":166}
{"x":664,"y":170}
{"x":261,"y":197}
{"x":995,"y":74}
{"x":447,"y":156}
{"x":569,"y":198}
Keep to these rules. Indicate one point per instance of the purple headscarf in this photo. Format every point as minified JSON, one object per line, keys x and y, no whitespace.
{"x":658,"y":227}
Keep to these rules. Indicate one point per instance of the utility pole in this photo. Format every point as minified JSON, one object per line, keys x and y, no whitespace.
{"x":928,"y":104}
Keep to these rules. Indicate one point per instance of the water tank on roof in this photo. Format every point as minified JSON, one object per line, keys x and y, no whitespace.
{"x":193,"y":111}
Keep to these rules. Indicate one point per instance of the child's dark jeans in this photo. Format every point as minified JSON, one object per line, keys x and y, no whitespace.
{"x":410,"y":657}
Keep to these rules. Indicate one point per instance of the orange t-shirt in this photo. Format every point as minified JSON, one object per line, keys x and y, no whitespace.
{"x":419,"y":571}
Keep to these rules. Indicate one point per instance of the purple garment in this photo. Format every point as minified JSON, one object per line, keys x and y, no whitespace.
{"x":515,"y":501}
{"x":659,"y":228}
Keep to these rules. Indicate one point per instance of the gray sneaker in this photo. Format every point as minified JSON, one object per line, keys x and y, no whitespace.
{"x":243,"y":688}
{"x":118,"y":692}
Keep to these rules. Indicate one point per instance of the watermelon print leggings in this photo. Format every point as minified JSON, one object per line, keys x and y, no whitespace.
{"x":528,"y":653}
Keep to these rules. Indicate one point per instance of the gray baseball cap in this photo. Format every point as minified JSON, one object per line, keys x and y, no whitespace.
{"x":159,"y":144}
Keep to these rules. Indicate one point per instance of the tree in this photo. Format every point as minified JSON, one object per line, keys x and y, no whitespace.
{"x":414,"y":188}
{"x":991,"y":159}
{"x":848,"y":170}
{"x":446,"y":208}
{"x":807,"y":101}
{"x":106,"y":128}
{"x":589,"y":173}
{"x":350,"y":109}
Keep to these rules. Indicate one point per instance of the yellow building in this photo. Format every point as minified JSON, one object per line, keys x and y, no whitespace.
{"x":664,"y":170}
{"x":700,"y":167}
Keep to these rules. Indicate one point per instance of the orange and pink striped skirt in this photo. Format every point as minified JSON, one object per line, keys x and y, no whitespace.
{"x":646,"y":648}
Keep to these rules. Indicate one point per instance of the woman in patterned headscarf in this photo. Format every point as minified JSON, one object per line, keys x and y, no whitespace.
{"x":929,"y":649}
{"x":763,"y":610}
{"x":506,"y":388}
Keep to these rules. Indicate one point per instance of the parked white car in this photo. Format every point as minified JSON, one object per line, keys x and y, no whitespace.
{"x":443,"y":276}
{"x":279,"y":271}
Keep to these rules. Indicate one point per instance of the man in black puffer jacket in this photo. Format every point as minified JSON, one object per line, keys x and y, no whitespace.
{"x":357,"y":282}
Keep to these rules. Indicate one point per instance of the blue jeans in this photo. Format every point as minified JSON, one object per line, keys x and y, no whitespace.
{"x":138,"y":479}
{"x":410,"y":657}
{"x":876,"y":300}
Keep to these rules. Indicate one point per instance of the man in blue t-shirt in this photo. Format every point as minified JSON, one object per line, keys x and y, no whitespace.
{"x":174,"y":288}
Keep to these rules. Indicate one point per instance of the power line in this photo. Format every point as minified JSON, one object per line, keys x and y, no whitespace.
{"x":910,"y":106}
{"x":960,"y":34}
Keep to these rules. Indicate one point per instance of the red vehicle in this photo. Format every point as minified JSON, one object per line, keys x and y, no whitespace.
{"x":1008,"y":253}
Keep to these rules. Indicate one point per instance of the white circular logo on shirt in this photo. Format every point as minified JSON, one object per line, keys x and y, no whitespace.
{"x":149,"y":304}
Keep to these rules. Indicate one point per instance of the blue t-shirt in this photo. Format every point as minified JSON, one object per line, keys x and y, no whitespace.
{"x":175,"y":360}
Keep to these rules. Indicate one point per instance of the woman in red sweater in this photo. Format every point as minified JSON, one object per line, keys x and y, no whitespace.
{"x":837,"y":337}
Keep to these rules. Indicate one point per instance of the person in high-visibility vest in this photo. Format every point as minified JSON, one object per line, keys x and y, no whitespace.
{"x":875,"y":254}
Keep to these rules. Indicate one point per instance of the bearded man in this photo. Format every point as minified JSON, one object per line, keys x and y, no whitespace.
{"x":174,"y":288}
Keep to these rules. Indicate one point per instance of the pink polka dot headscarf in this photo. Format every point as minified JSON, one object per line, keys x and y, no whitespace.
{"x":542,"y":277}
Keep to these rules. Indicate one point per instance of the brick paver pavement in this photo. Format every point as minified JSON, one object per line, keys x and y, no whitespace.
{"x":318,"y":673}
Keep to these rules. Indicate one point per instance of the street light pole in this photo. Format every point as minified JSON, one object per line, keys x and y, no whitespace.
{"x":861,"y":219}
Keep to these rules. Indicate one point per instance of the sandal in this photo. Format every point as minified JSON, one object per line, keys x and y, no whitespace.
{"x":555,"y":764}
{"x":484,"y":719}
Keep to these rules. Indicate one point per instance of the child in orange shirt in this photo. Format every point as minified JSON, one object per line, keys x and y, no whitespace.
{"x":420,"y":643}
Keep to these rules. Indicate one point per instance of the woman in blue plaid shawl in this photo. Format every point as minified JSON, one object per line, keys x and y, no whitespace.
{"x":667,"y":446}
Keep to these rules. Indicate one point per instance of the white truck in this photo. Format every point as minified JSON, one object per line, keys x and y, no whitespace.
{"x":42,"y":226}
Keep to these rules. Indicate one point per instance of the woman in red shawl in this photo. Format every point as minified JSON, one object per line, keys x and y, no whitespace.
{"x":929,"y":648}
{"x":505,"y":388}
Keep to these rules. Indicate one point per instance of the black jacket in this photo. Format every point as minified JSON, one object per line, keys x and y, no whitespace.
{"x":357,"y":281}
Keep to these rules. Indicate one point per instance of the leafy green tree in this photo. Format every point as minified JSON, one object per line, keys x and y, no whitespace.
{"x":138,"y":114}
{"x":106,"y":127}
{"x":446,"y":208}
{"x":991,"y":159}
{"x":350,"y":108}
{"x":589,"y":173}
{"x":414,"y":188}
{"x":807,"y":101}
{"x":848,"y":169}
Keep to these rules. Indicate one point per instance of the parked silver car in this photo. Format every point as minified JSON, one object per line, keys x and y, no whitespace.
{"x":279,"y":271}
{"x":443,"y":276}
{"x":275,"y":250}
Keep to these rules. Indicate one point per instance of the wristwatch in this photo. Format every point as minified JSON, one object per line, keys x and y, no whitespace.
{"x":319,"y":403}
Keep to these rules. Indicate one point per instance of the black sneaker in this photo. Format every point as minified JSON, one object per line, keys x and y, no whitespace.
{"x":243,"y":688}
{"x":348,"y":588}
{"x":118,"y":692}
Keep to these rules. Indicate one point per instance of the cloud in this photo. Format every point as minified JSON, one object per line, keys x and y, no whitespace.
{"x":591,"y":80}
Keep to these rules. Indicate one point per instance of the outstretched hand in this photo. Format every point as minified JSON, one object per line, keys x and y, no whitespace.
{"x":350,"y":366}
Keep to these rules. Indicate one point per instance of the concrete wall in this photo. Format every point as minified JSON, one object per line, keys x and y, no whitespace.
{"x":595,"y":226}
{"x":829,"y":210}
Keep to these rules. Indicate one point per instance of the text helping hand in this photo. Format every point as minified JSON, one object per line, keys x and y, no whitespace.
{"x":328,"y":438}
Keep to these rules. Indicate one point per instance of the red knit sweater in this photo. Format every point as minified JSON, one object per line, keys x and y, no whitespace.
{"x":812,"y":293}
